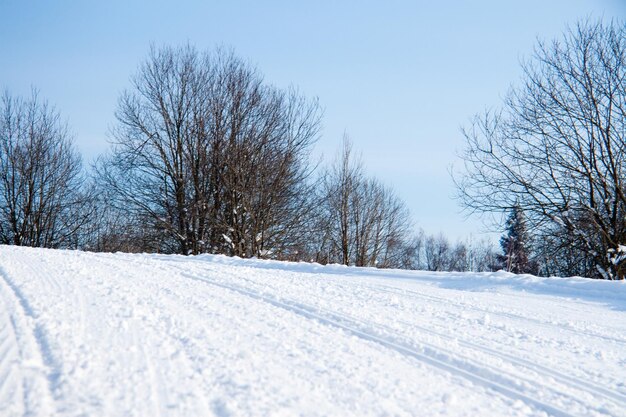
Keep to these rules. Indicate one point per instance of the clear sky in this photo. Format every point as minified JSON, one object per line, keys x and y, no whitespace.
{"x":400,"y":77}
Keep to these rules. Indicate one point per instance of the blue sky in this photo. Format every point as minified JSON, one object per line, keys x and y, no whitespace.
{"x":400,"y":77}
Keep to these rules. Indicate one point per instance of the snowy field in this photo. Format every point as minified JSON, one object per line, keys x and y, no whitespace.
{"x":86,"y":334}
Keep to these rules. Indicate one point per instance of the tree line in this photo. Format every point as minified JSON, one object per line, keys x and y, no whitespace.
{"x":207,"y":157}
{"x":554,"y":154}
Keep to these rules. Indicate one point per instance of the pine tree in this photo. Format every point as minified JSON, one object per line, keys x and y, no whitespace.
{"x":515,"y":245}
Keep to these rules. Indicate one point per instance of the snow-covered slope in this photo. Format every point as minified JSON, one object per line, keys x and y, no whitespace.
{"x":149,"y":335}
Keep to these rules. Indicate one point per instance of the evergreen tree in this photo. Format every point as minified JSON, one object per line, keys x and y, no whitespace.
{"x":515,"y":245}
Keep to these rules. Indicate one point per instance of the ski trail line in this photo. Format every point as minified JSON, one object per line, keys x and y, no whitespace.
{"x":566,"y":380}
{"x":461,"y":305}
{"x":39,"y":377}
{"x":398,"y":347}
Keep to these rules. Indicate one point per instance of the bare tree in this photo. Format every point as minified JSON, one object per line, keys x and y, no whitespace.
{"x":558,"y":147}
{"x":437,"y":253}
{"x":43,"y":199}
{"x":482,"y":256}
{"x":265,"y":178}
{"x":459,"y":258}
{"x":335,"y":231}
{"x":112,"y":229}
{"x":412,"y":257}
{"x":211,"y":156}
{"x":363,"y":223}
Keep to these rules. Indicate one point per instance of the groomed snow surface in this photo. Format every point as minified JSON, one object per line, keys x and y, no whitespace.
{"x":85,"y":334}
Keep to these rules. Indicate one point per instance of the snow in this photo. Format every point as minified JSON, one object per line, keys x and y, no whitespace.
{"x":155,"y":335}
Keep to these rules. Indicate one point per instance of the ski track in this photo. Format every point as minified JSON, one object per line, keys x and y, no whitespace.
{"x":28,"y":379}
{"x":527,"y":324}
{"x":463,"y":305}
{"x":355,"y":325}
{"x":448,"y":303}
{"x":134,"y":335}
{"x":430,"y":357}
{"x":11,"y":384}
{"x":435,"y":356}
{"x":218,"y":406}
{"x":334,"y":318}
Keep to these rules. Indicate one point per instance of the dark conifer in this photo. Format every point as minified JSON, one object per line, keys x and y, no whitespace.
{"x":515,"y":245}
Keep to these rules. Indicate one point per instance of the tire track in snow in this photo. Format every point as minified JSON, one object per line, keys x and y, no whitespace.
{"x":521,"y":362}
{"x":578,"y":383}
{"x":155,"y":382}
{"x":539,"y":369}
{"x":38,"y":376}
{"x":427,"y":356}
{"x":368,"y":285}
{"x":441,"y":357}
{"x":565,"y":380}
{"x":79,"y":286}
{"x":160,"y":395}
{"x":233,"y":297}
{"x":461,"y":305}
{"x":505,"y":383}
{"x":11,"y":383}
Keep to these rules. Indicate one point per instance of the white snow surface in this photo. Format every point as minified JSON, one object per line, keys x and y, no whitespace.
{"x":85,"y":334}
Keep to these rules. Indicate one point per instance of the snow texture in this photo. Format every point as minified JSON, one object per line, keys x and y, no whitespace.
{"x":85,"y":334}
